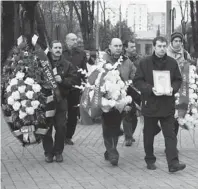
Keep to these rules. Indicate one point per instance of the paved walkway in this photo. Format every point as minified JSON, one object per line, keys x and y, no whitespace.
{"x":85,"y":168}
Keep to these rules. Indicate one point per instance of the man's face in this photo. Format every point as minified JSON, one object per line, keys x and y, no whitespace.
{"x":131,"y":49}
{"x":177,"y":43}
{"x":116,"y":47}
{"x":57,"y":49}
{"x":71,"y":41}
{"x":160,"y":48}
{"x":88,"y":55}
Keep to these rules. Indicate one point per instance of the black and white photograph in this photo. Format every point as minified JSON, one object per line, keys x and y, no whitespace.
{"x":99,"y":94}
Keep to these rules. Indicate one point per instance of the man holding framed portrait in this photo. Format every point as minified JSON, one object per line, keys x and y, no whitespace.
{"x":158,"y":78}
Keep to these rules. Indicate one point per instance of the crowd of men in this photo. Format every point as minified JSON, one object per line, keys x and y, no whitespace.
{"x":156,"y":107}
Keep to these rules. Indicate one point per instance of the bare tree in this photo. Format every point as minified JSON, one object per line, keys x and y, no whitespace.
{"x":85,"y":14}
{"x":184,"y":8}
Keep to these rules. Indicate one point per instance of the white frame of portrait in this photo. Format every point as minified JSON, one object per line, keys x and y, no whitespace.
{"x":159,"y":85}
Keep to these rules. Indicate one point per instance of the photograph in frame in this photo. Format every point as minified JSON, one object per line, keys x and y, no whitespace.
{"x":162,"y":81}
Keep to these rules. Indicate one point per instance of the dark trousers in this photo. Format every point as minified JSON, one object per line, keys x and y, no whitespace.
{"x":111,"y":123}
{"x":56,"y":147}
{"x":73,"y":100}
{"x":176,"y":128}
{"x":130,"y":122}
{"x":129,"y":125}
{"x":167,"y":125}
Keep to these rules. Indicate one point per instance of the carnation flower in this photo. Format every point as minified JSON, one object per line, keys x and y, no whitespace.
{"x":16,"y":95}
{"x":22,"y":88}
{"x":22,"y":114}
{"x":8,"y":89}
{"x":29,"y":81}
{"x":35,"y":104}
{"x":36,"y":88}
{"x":29,"y":110}
{"x":29,"y":94}
{"x":16,"y":106}
{"x":13,"y":81}
{"x":20,"y":75}
{"x":23,"y":103}
{"x":10,"y":100}
{"x":108,"y":66}
{"x":25,"y":53}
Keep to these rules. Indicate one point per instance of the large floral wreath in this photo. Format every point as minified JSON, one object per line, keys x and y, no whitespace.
{"x":28,"y":102}
{"x":189,"y":119}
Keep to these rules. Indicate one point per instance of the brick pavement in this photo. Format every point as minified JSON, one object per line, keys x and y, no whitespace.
{"x":85,"y":168}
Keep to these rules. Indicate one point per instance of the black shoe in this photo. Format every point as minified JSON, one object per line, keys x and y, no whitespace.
{"x":106,"y":156}
{"x":151,"y":166}
{"x":176,"y":167}
{"x":59,"y":158}
{"x":128,"y":142}
{"x":69,"y":141}
{"x":113,"y":156}
{"x":49,"y":158}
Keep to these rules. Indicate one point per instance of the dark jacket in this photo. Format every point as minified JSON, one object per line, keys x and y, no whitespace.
{"x":157,"y":106}
{"x":68,"y":75}
{"x":135,"y":59}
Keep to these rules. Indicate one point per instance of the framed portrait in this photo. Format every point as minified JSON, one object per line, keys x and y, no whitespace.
{"x":162,"y":81}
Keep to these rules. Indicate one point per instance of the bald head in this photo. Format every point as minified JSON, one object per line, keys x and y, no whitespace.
{"x":71,"y":40}
{"x":115,"y":46}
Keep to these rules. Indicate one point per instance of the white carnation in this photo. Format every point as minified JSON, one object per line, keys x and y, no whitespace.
{"x":25,"y":53}
{"x":10,"y":100}
{"x":22,"y":88}
{"x":29,"y":110}
{"x":36,"y":88}
{"x":29,"y":81}
{"x":13,"y":81}
{"x":20,"y":75}
{"x":22,"y":114}
{"x":35,"y":104}
{"x":16,"y":106}
{"x":16,"y":95}
{"x":29,"y":94}
{"x":23,"y":103}
{"x":8,"y":89}
{"x":194,"y":111}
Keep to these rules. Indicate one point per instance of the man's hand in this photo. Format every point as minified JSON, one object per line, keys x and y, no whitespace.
{"x":156,"y":93}
{"x":58,"y":78}
{"x":170,"y":93}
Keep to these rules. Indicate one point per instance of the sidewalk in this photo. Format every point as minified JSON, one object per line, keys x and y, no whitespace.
{"x":84,"y":166}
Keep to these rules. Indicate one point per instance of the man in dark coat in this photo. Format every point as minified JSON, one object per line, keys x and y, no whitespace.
{"x":78,"y":58}
{"x":159,"y":106}
{"x":65,"y":76}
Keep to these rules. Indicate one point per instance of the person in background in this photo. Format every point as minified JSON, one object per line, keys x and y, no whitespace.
{"x":66,"y":77}
{"x":130,"y":122}
{"x":158,"y":106}
{"x":78,"y":58}
{"x":90,"y":62}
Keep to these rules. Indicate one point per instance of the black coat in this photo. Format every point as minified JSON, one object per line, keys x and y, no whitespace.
{"x":68,"y":74}
{"x":157,"y":106}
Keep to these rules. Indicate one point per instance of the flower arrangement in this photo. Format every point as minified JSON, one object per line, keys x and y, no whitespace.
{"x":27,"y":95}
{"x":190,"y":119}
{"x":105,"y":90}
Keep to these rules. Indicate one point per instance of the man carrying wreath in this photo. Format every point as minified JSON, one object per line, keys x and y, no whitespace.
{"x":65,"y":76}
{"x":111,"y":121}
{"x":159,"y":105}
